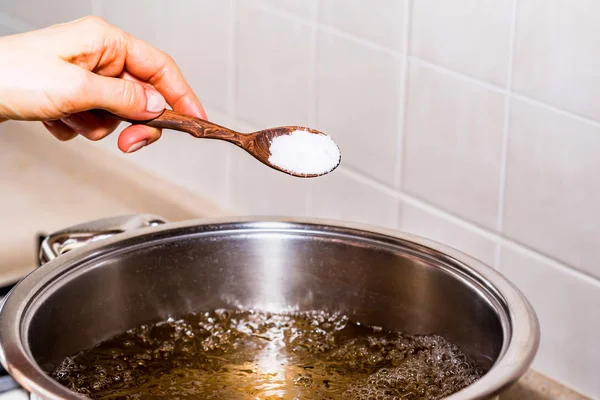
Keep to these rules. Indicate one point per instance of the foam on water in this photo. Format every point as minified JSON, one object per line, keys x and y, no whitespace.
{"x":252,"y":355}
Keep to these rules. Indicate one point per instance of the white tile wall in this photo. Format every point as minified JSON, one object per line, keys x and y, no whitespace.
{"x":423,"y":221}
{"x":189,"y":37}
{"x":453,"y":143}
{"x":6,"y":30}
{"x":345,"y":196}
{"x":358,"y":102}
{"x":494,"y":132}
{"x":556,"y":56}
{"x":304,"y":8}
{"x":10,"y":24}
{"x":382,"y":23}
{"x":273,"y":68}
{"x":567,"y":307}
{"x":200,"y":165}
{"x":139,"y":18}
{"x":259,"y":190}
{"x":552,"y":200}
{"x":469,"y":36}
{"x":45,"y":13}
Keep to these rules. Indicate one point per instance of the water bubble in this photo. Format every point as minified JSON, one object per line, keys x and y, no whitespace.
{"x":225,"y":353}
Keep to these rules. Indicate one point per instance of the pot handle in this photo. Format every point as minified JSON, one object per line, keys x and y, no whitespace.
{"x":79,"y":235}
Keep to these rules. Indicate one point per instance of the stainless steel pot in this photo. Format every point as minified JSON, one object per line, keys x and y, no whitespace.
{"x":379,"y":277}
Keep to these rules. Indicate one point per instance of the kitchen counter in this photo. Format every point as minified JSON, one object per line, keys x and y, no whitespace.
{"x":535,"y":386}
{"x":47,"y":185}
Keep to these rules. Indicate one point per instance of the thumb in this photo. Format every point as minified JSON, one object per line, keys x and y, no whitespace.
{"x":125,"y":98}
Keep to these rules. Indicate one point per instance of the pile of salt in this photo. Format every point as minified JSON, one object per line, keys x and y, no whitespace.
{"x":305,"y":153}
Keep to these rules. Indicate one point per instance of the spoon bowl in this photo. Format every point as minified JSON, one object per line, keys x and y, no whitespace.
{"x":258,"y":144}
{"x":260,"y":147}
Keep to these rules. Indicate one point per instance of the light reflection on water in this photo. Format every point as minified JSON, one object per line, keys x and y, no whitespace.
{"x":250,"y":355}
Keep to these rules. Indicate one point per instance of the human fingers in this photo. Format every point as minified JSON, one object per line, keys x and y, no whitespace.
{"x":157,"y":68}
{"x":124,"y":97}
{"x":131,"y":140}
{"x":135,"y":137}
{"x":91,"y":125}
{"x":60,"y":130}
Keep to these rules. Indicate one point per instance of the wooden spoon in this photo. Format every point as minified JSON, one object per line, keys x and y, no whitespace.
{"x":256,"y":143}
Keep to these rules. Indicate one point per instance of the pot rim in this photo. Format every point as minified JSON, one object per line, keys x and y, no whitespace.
{"x":514,"y":360}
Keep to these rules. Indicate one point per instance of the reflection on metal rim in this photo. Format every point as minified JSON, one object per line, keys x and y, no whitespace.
{"x":361,"y":268}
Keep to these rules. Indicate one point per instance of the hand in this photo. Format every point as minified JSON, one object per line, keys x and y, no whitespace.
{"x":65,"y":75}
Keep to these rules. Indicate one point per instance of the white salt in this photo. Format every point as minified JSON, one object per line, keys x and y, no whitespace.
{"x":304,"y":153}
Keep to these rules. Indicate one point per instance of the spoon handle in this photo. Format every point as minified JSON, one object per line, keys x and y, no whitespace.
{"x":196,"y":127}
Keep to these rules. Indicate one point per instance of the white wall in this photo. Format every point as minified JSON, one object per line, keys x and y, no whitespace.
{"x":472,"y":122}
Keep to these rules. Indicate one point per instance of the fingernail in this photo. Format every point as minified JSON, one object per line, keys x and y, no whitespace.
{"x":136,"y":146}
{"x":154,"y":101}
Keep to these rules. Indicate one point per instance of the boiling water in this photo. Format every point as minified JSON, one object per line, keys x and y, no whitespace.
{"x":255,"y":355}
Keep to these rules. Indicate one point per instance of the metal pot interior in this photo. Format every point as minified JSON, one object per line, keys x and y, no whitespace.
{"x":88,"y":295}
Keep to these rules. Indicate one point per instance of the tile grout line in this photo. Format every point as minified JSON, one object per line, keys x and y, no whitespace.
{"x":498,"y":89}
{"x":506,"y":131}
{"x":231,"y":99}
{"x":279,"y":12}
{"x":325,"y":28}
{"x":495,"y":236}
{"x":403,"y":96}
{"x":457,"y":75}
{"x":398,"y":193}
{"x":546,"y":259}
{"x":313,"y":97}
{"x":432,"y":65}
{"x":562,"y":112}
{"x":424,"y":204}
{"x":471,"y":227}
{"x":357,"y":39}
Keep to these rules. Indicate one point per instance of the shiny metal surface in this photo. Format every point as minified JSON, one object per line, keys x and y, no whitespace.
{"x":80,"y":235}
{"x":376,"y":276}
